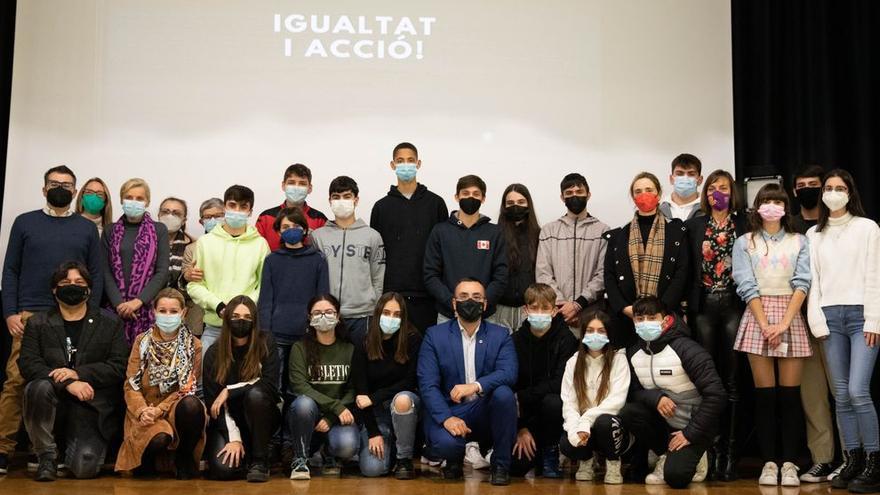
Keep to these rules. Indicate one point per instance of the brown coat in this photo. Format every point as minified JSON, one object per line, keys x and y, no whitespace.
{"x":137,"y":436}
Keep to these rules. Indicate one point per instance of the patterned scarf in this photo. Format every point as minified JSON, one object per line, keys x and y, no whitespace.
{"x":178,"y":245}
{"x":170,"y":363}
{"x":647,"y":259}
{"x":143,"y":264}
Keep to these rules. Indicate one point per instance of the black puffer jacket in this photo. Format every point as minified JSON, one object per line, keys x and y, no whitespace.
{"x":677,"y":367}
{"x":541,"y":363}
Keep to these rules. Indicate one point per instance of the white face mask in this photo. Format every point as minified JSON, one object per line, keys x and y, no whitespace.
{"x":342,"y":208}
{"x":835,"y":200}
{"x":173,"y":222}
{"x":324,"y":323}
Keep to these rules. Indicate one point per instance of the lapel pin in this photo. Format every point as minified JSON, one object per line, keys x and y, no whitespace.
{"x":480,"y":341}
{"x":90,"y":320}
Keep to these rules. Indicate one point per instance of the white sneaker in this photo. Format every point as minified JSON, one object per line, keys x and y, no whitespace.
{"x":428,"y":462}
{"x":585,"y":470}
{"x":836,"y":472}
{"x":656,"y":478}
{"x":702,"y":470}
{"x":612,"y":473}
{"x":769,"y":475}
{"x":474,"y":457}
{"x":790,"y":475}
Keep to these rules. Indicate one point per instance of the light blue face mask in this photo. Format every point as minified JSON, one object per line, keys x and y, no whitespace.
{"x":406,"y":171}
{"x":685,"y":185}
{"x":595,"y":341}
{"x":389,"y":324}
{"x":296,"y":194}
{"x":649,"y":331}
{"x":168,"y":323}
{"x":540,"y":322}
{"x":236,"y":219}
{"x":211,"y":223}
{"x":133,"y":209}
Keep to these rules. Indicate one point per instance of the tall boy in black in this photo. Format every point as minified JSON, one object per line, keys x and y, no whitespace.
{"x":405,"y":218}
{"x":543,"y":345}
{"x":467,"y":245}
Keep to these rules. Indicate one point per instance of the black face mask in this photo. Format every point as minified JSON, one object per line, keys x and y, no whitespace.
{"x":240,"y":328}
{"x":469,"y":205}
{"x":516,"y":213}
{"x":808,"y":197}
{"x":469,"y":310}
{"x":72,"y":295}
{"x":576,"y":204}
{"x":59,"y":197}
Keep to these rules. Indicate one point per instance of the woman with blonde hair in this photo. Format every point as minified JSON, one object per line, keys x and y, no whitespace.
{"x":93,"y":202}
{"x":137,"y":255}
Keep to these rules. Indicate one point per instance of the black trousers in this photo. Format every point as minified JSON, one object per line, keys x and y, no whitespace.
{"x":543,"y":418}
{"x":607,"y":437}
{"x":652,"y":432}
{"x":715,"y":328}
{"x":257,"y":418}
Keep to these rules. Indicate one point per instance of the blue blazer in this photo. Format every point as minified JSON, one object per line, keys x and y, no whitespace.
{"x":441,"y":364}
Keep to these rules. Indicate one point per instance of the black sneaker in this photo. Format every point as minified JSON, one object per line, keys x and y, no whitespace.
{"x":258,"y":472}
{"x":47,"y":470}
{"x":186,"y":468}
{"x":404,"y":469}
{"x":499,"y":476}
{"x":818,"y":473}
{"x":454,"y":470}
{"x":4,"y":463}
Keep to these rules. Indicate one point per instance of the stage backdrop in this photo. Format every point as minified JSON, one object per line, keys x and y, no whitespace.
{"x":196,"y":96}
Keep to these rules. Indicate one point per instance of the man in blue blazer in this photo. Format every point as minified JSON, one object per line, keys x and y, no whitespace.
{"x":466,"y":369}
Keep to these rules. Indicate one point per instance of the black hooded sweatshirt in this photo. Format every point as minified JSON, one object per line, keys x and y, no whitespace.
{"x":405,"y":225}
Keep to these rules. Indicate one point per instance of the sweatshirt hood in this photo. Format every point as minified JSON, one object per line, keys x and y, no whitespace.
{"x":357,"y":225}
{"x":418,"y":193}
{"x":453,"y":219}
{"x":303,"y":251}
{"x":249,"y":234}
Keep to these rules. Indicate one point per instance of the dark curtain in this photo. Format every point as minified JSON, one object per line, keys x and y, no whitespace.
{"x":7,"y":40}
{"x":805,"y":79}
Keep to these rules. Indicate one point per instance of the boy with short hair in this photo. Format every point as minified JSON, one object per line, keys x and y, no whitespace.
{"x":231,"y":259}
{"x":355,"y":257}
{"x":686,"y":177}
{"x":297,"y":185}
{"x":467,"y":245}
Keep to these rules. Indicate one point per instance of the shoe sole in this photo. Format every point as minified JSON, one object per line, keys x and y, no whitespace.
{"x":768,"y":483}
{"x":300,"y":477}
{"x":258,"y":478}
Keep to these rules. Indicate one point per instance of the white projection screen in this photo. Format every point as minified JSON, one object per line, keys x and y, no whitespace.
{"x":194,"y":96}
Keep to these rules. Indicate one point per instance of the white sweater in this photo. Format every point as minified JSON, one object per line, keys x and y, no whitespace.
{"x":845,"y":261}
{"x":618,"y":387}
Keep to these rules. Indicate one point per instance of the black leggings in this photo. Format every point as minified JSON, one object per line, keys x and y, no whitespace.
{"x":189,"y":423}
{"x":257,"y":417}
{"x":607,"y":437}
{"x":715,"y":328}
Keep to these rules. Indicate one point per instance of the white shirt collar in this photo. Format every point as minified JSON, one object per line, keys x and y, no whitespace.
{"x":49,"y":211}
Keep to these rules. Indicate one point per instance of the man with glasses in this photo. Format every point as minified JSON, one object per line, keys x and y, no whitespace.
{"x":211,"y":213}
{"x":466,"y":369}
{"x":39,"y":242}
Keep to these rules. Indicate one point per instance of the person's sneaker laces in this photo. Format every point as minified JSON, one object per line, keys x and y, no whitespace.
{"x":299,"y":470}
{"x":818,"y":473}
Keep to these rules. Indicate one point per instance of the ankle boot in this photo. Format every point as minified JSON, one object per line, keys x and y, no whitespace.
{"x":868,"y":481}
{"x":714,"y":456}
{"x":853,"y":465}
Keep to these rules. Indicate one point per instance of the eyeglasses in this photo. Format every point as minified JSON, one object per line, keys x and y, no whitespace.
{"x":52,"y":184}
{"x":166,"y":211}
{"x":100,"y":194}
{"x":210,"y":217}
{"x":842,"y":189}
{"x":476,"y":297}
{"x":327,"y":312}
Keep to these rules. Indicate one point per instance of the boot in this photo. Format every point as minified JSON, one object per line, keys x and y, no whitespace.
{"x":853,"y":465}
{"x":714,"y":456}
{"x":729,"y":470}
{"x":868,"y":481}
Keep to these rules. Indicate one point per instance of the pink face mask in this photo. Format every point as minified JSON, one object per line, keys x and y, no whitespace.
{"x":771,"y":212}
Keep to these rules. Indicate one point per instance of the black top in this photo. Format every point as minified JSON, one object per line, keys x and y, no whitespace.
{"x":405,"y":225}
{"x":73,"y":329}
{"x":801,"y":225}
{"x":521,"y":275}
{"x":645,"y":223}
{"x":382,"y":379}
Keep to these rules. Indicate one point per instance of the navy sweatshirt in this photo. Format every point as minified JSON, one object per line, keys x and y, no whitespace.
{"x":454,"y":252}
{"x":405,"y":225}
{"x":38,"y":245}
{"x":291,"y":278}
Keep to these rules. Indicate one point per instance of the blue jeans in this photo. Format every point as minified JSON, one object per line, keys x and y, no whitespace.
{"x":282,"y":436}
{"x":394,"y":425}
{"x":851,"y":364}
{"x":209,"y":335}
{"x":343,"y":440}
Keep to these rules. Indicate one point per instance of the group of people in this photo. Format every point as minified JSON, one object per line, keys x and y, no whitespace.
{"x":323,"y":341}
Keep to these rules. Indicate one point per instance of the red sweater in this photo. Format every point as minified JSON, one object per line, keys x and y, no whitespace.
{"x":266,"y":223}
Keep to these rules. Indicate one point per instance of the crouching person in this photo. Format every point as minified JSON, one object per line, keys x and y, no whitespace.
{"x":73,"y":359}
{"x":675,"y":400}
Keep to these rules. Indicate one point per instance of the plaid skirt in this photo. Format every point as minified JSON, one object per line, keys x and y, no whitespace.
{"x":795,"y":343}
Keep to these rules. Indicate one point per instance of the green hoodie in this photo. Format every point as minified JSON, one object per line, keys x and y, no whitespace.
{"x":232,"y":267}
{"x":332,"y":390}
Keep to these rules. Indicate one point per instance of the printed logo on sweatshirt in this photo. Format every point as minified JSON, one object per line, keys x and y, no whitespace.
{"x":349,"y":251}
{"x":332,"y":374}
{"x":665,"y":372}
{"x":483,"y":245}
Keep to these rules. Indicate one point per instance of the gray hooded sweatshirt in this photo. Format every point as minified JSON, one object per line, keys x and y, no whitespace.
{"x":356,"y":262}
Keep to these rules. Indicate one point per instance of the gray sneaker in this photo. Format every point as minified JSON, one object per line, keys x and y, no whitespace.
{"x":299,"y":470}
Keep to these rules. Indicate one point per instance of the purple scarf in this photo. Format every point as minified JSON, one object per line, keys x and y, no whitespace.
{"x":143,"y":264}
